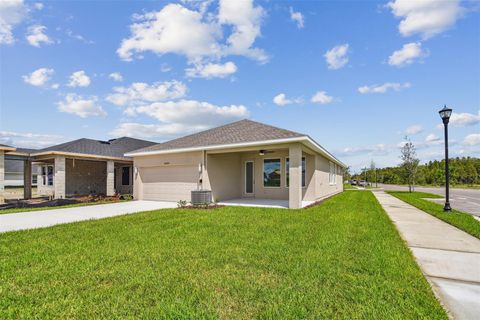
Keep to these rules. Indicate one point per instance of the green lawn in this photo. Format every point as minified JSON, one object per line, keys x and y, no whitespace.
{"x":342,"y":259}
{"x":461,"y":220}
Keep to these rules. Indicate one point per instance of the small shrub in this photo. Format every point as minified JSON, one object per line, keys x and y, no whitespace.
{"x":127,"y":197}
{"x":182,"y":203}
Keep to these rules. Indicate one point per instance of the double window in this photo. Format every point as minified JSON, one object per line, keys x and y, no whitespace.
{"x":287,"y":173}
{"x":272,"y":169}
{"x":333,"y":173}
{"x":47,"y":175}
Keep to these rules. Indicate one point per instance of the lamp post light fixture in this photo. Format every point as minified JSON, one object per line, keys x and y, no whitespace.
{"x":445,"y":114}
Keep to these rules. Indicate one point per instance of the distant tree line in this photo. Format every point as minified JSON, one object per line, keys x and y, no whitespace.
{"x":464,"y":170}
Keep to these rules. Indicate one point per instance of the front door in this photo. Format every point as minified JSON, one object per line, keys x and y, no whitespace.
{"x":249,"y":178}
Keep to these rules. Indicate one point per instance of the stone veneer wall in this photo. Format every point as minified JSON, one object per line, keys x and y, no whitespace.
{"x":86,"y":177}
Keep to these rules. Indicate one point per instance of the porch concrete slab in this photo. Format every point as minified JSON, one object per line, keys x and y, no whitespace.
{"x":254,"y":202}
{"x":448,"y":257}
{"x":47,"y":218}
{"x":261,"y":203}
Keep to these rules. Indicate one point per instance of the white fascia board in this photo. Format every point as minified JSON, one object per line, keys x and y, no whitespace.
{"x":301,"y":139}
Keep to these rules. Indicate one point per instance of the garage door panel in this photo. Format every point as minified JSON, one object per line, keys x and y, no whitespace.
{"x":168,"y":183}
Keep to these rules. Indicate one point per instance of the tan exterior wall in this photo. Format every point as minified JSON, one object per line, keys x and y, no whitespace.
{"x":168,"y":177}
{"x":224,"y":176}
{"x":85,"y":177}
{"x":323,"y":187}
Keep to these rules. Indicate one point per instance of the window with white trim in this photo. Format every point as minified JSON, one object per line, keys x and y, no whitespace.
{"x":271,"y":172}
{"x":332,"y":177}
{"x":47,"y":175}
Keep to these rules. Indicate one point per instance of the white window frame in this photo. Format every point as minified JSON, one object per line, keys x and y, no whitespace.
{"x":332,"y":176}
{"x":263,"y":171}
{"x":304,"y":182}
{"x":44,"y":176}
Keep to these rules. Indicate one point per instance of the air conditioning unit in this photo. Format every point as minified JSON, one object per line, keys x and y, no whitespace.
{"x":200,"y":197}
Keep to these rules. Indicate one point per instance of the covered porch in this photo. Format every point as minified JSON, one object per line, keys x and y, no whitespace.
{"x":275,"y":176}
{"x":63,"y":176}
{"x":8,"y":153}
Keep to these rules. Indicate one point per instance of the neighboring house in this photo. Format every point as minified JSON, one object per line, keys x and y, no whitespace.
{"x":14,"y":170}
{"x":78,"y":167}
{"x":86,"y":166}
{"x":239,"y":160}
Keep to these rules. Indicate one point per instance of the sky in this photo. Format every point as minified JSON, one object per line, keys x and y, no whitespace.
{"x":357,"y":76}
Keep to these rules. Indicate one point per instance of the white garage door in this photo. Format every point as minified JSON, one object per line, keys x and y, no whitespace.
{"x":168,"y":183}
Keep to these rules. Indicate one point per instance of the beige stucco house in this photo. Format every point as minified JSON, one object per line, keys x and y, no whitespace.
{"x":241,"y":160}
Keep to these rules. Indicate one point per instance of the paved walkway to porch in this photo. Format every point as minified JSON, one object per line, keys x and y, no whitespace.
{"x":448,"y":257}
{"x":262,"y":203}
{"x":47,"y":218}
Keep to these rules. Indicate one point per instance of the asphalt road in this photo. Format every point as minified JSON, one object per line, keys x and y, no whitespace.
{"x":466,"y":200}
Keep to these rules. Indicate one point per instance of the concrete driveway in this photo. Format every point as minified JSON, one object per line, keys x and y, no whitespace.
{"x":466,"y":200}
{"x":47,"y":218}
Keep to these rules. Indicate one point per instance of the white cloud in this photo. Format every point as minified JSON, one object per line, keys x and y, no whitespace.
{"x":337,"y":56}
{"x":407,"y":54}
{"x":427,"y":17}
{"x":38,"y":6}
{"x":282,"y":100}
{"x":472,"y":139}
{"x":245,"y":19}
{"x":298,"y":18}
{"x":29,"y":140}
{"x":321,"y":97}
{"x":39,"y":77}
{"x":140,"y":93}
{"x":80,"y":106}
{"x":464,"y":119}
{"x":196,"y":34}
{"x":76,"y":36}
{"x":12,"y":12}
{"x":116,"y":76}
{"x":180,"y":118}
{"x":415,"y":129}
{"x":148,"y":131}
{"x":431,"y":138}
{"x":384,"y":87}
{"x":165,"y":67}
{"x":79,"y":79}
{"x":36,"y":35}
{"x":192,"y":112}
{"x":211,"y":70}
{"x":377,"y":149}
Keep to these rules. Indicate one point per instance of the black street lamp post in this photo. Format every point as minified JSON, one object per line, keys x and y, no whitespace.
{"x":445,"y":115}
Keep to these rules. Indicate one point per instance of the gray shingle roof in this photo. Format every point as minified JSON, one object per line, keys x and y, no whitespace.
{"x":112,"y":148}
{"x":26,"y":150}
{"x":236,"y":132}
{"x":5,"y":146}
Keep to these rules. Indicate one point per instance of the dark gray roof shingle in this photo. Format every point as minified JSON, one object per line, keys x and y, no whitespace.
{"x":236,"y":132}
{"x":111,"y":148}
{"x":5,"y":146}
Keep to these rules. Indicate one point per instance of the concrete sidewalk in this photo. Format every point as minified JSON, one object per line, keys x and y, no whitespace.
{"x":449,"y":257}
{"x":47,"y":218}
